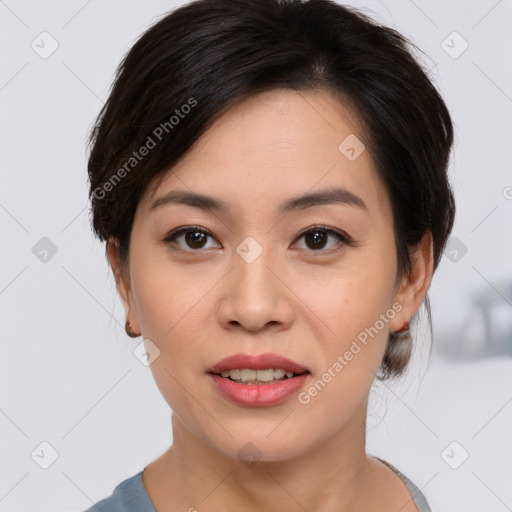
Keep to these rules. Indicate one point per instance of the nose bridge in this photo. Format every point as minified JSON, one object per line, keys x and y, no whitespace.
{"x":254,"y":296}
{"x":251,"y":258}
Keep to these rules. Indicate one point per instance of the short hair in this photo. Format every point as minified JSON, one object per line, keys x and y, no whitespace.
{"x":209,"y":55}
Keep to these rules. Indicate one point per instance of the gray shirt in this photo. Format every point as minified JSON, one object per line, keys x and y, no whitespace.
{"x":419,"y":498}
{"x":131,"y":495}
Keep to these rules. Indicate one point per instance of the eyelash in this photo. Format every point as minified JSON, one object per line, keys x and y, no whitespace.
{"x":344,"y":239}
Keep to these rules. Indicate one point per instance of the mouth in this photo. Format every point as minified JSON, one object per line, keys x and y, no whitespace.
{"x":262,"y":376}
{"x":257,"y":369}
{"x":258,"y":380}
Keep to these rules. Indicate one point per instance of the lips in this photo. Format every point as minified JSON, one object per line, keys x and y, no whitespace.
{"x":251,"y":393}
{"x":257,"y":362}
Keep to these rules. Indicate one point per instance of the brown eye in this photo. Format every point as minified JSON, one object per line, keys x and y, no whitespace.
{"x":318,"y":238}
{"x":194,"y":238}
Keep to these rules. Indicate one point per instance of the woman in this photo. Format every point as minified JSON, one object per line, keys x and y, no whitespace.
{"x":270,"y":179}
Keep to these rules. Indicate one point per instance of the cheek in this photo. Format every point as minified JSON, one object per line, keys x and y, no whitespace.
{"x":168,"y":298}
{"x":170,"y":309}
{"x":351,"y":354}
{"x":356,"y":304}
{"x":351,"y":297}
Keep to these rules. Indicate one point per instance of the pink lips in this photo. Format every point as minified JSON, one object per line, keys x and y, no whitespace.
{"x":258,"y":395}
{"x":259,"y":362}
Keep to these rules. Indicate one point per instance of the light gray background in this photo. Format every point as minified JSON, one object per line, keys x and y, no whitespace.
{"x":68,"y":374}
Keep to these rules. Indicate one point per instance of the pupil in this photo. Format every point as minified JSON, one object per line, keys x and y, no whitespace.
{"x":318,"y":238}
{"x":194,"y":237}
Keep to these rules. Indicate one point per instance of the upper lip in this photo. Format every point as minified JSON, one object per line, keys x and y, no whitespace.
{"x":257,"y":362}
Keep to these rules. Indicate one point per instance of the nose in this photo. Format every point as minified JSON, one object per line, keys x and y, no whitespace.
{"x":255,"y":296}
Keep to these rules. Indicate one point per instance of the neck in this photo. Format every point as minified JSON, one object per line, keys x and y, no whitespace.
{"x":336,"y":474}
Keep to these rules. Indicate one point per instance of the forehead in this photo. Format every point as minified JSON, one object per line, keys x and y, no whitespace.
{"x":276,"y":145}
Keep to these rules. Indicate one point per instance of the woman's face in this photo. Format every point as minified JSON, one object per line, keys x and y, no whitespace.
{"x":265,"y":280}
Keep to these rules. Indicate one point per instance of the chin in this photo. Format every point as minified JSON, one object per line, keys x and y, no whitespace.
{"x":251,"y":449}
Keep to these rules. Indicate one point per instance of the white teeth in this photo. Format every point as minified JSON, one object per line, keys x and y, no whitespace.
{"x":235,"y":374}
{"x":278,"y":373}
{"x":248,"y":375}
{"x":266,"y":375}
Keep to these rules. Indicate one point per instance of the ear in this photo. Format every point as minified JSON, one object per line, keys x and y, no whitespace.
{"x":123,"y":283}
{"x":413,"y":289}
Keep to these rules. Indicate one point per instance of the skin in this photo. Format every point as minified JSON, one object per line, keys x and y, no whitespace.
{"x":204,"y":302}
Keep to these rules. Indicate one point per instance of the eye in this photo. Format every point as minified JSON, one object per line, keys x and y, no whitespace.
{"x":317,"y":238}
{"x":194,"y":236}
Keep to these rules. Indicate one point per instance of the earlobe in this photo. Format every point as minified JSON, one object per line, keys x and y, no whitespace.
{"x":123,"y":284}
{"x":414,"y":288}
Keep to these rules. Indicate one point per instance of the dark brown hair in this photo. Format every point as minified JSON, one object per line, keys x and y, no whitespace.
{"x":195,"y":63}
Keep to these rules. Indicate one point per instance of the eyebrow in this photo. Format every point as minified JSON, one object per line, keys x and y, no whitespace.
{"x":338,"y":195}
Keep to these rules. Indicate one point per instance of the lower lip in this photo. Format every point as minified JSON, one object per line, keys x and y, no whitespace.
{"x":259,"y":395}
